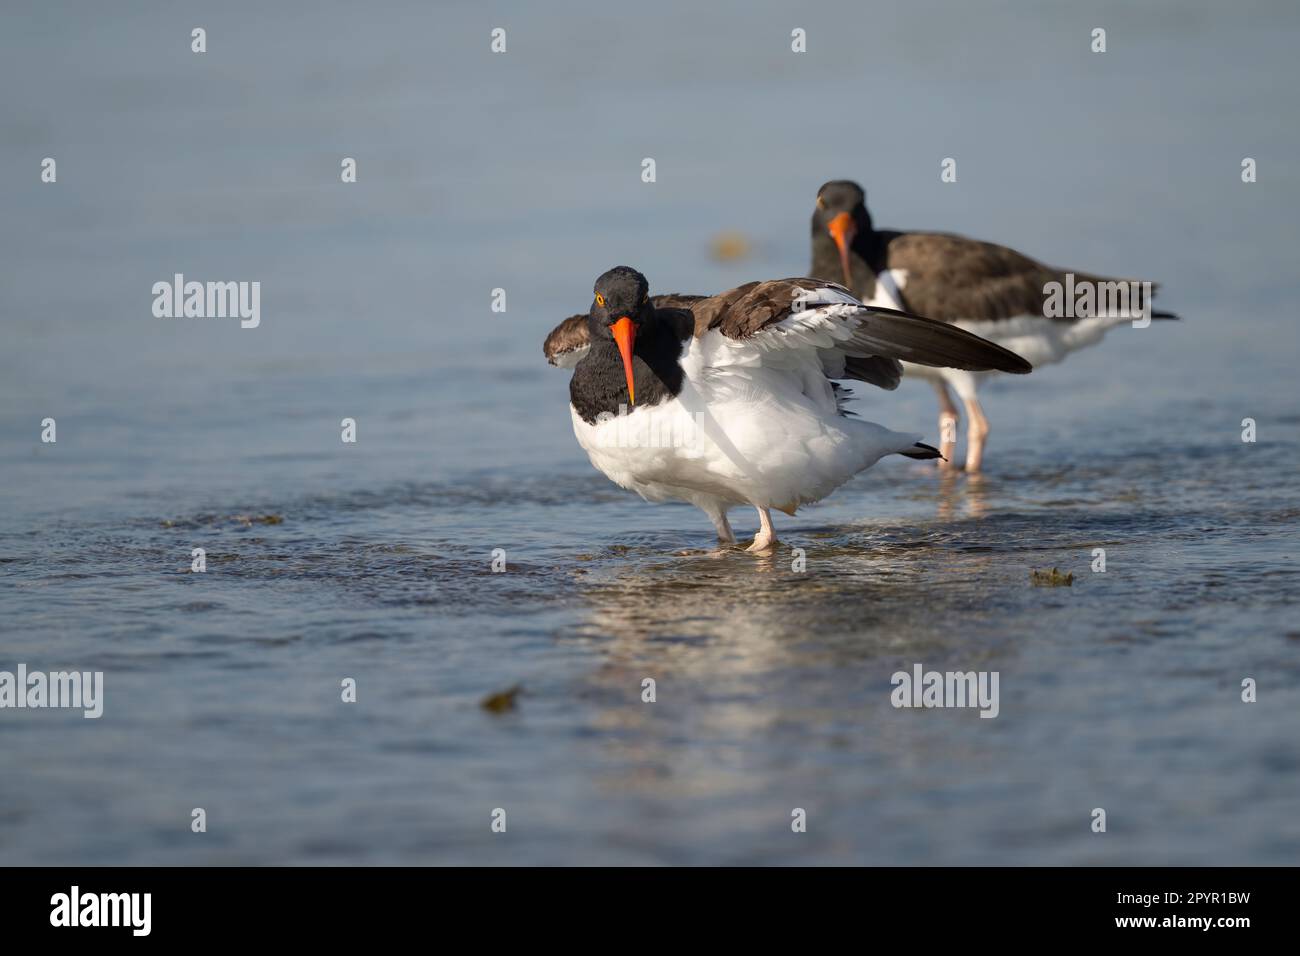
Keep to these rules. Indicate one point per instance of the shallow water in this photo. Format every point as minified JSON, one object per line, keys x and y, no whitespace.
{"x":372,"y":560}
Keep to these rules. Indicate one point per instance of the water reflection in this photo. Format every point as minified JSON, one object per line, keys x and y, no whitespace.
{"x":752,"y":660}
{"x":961,"y":495}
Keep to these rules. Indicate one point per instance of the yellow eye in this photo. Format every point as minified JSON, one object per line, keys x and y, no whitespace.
{"x":600,"y":300}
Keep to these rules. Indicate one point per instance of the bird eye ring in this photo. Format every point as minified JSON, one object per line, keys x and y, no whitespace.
{"x":600,"y":300}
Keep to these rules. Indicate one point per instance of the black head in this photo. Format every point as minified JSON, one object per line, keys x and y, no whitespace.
{"x":620,"y":292}
{"x":837,"y":196}
{"x":841,"y":216}
{"x":621,"y":306}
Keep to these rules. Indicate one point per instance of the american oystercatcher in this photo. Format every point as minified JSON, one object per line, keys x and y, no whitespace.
{"x":727,"y":400}
{"x":1039,"y":312}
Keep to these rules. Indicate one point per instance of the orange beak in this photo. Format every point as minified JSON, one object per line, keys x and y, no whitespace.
{"x":624,"y":336}
{"x":842,"y":230}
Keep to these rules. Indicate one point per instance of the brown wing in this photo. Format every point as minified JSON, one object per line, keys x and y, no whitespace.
{"x":769,"y":309}
{"x":748,"y":309}
{"x":567,"y":342}
{"x":876,"y":369}
{"x":676,"y":300}
{"x":951,"y":277}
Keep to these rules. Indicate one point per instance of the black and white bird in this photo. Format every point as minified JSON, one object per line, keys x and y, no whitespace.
{"x":728,"y":400}
{"x":987,"y":289}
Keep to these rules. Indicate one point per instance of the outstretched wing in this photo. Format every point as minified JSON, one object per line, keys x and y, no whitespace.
{"x":851,"y":340}
{"x":764,"y":318}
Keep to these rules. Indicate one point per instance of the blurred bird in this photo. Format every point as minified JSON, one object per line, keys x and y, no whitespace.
{"x":987,"y":289}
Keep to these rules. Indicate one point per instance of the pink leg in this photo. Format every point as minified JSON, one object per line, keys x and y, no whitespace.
{"x":947,"y":425}
{"x":977,"y":429}
{"x":765,"y":539}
